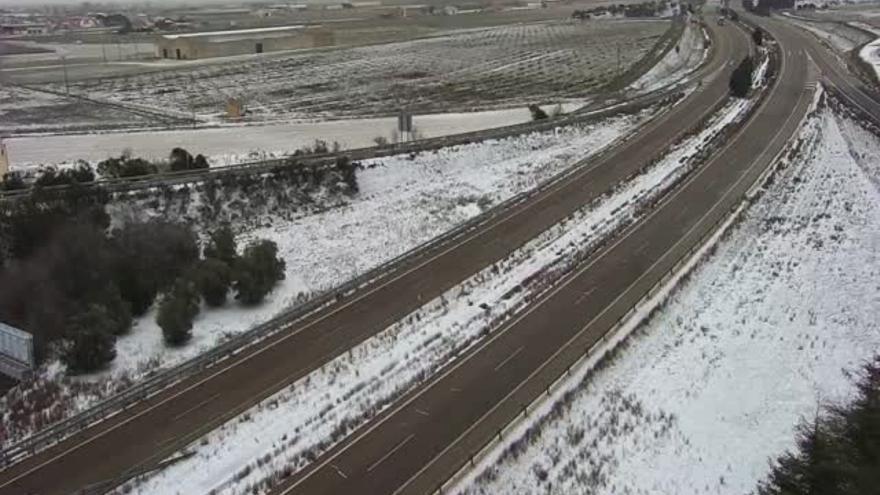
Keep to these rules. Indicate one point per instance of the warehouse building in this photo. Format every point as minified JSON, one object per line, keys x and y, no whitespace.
{"x":191,"y":46}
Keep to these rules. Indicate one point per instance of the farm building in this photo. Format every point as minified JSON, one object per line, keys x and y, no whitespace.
{"x":190,"y":46}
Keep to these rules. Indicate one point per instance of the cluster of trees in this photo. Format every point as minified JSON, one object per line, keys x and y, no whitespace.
{"x":251,"y":275}
{"x":76,"y":285}
{"x":538,"y":113}
{"x":741,"y":78}
{"x":644,"y":9}
{"x":838,"y":453}
{"x":122,"y":166}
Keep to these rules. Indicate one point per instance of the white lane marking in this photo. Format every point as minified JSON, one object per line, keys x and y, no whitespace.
{"x":584,"y":296}
{"x":423,"y":413}
{"x":391,"y":452}
{"x":193,"y":408}
{"x":641,"y":249}
{"x":339,"y":471}
{"x":508,"y":358}
{"x":497,"y":334}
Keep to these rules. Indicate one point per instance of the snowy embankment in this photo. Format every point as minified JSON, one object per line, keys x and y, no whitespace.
{"x":870,"y":53}
{"x":285,"y":432}
{"x":404,"y":201}
{"x":840,"y":36}
{"x":708,"y":390}
{"x":678,"y":62}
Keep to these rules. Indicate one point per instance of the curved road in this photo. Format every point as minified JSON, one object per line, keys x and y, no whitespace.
{"x":427,"y":437}
{"x":143,"y":435}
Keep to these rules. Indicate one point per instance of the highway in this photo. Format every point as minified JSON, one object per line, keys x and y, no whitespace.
{"x":141,"y":436}
{"x":428,"y":436}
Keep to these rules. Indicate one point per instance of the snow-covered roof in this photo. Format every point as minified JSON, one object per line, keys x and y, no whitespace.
{"x":238,"y":32}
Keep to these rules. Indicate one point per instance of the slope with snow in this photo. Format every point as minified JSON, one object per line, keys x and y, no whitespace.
{"x":702,"y":396}
{"x":678,"y":62}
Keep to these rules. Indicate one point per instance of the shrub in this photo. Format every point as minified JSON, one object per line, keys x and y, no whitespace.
{"x":12,"y":181}
{"x":257,"y":271}
{"x":213,"y":278}
{"x":91,"y":342}
{"x":537,"y":113}
{"x":126,"y":166}
{"x":221,"y":246}
{"x":151,"y":256}
{"x":837,"y":453}
{"x":348,"y":170}
{"x":82,"y":173}
{"x":741,"y":78}
{"x":758,"y":36}
{"x":178,"y":309}
{"x":180,"y":159}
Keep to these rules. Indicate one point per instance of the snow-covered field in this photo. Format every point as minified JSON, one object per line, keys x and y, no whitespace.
{"x":708,"y":391}
{"x":839,"y":36}
{"x":285,"y":432}
{"x":403,"y":202}
{"x":461,"y":70}
{"x":685,"y":57}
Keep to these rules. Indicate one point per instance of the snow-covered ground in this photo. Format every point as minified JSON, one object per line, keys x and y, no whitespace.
{"x":705,"y":393}
{"x":225,"y":145}
{"x":286,"y":431}
{"x":839,"y":36}
{"x":685,"y":57}
{"x":403,"y":202}
{"x":870,"y":53}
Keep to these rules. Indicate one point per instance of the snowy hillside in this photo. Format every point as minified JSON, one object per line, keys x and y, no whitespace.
{"x":702,"y":396}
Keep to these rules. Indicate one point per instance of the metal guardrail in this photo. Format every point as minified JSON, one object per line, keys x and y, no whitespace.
{"x":166,"y":378}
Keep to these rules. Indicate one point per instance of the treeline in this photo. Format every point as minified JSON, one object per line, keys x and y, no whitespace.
{"x":124,"y":166}
{"x":644,"y":9}
{"x":838,"y":452}
{"x":76,"y":285}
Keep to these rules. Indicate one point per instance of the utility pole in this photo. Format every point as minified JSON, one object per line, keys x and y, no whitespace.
{"x":618,"y":59}
{"x":104,"y":48}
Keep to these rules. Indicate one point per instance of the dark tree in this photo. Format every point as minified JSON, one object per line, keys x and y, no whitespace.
{"x":12,"y":181}
{"x":126,"y":166}
{"x":213,"y":278}
{"x":348,"y":170}
{"x":221,"y":246}
{"x":152,"y":256}
{"x":537,"y":112}
{"x":90,"y":342}
{"x":758,"y":36}
{"x":257,"y":271}
{"x":200,"y":162}
{"x":180,"y":159}
{"x":741,"y":78}
{"x":178,"y":309}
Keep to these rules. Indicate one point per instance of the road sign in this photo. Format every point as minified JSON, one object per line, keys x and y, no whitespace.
{"x":16,"y":351}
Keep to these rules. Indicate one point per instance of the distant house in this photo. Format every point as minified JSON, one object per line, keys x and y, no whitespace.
{"x":191,"y":46}
{"x":24,"y":29}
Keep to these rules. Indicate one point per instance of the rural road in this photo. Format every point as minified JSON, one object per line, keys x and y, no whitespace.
{"x":142,"y":435}
{"x":428,"y":436}
{"x":404,"y":449}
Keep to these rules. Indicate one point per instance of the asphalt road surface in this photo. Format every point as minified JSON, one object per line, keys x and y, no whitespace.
{"x":429,"y":435}
{"x":143,"y":435}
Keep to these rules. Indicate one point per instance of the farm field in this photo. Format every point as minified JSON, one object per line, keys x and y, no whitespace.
{"x":464,"y":70}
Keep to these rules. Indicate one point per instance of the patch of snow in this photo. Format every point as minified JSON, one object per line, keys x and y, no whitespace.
{"x":707,"y":392}
{"x":870,"y":53}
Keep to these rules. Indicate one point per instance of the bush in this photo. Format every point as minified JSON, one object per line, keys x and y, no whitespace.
{"x":126,"y":166}
{"x":758,"y":36}
{"x":838,"y":453}
{"x":91,"y":342}
{"x":537,"y":113}
{"x":221,"y":246}
{"x":82,"y":173}
{"x":151,"y":256}
{"x":213,"y":278}
{"x":180,"y":159}
{"x":12,"y":181}
{"x":348,"y":170}
{"x":741,"y":78}
{"x":178,"y":309}
{"x":257,"y":271}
